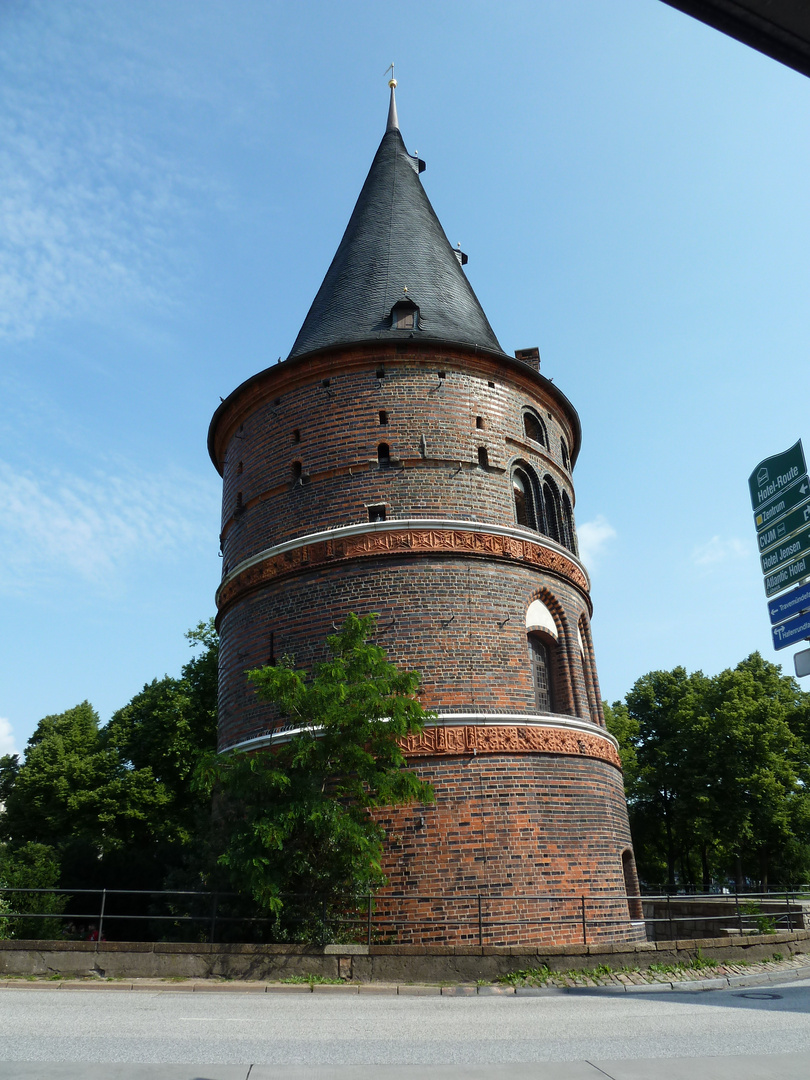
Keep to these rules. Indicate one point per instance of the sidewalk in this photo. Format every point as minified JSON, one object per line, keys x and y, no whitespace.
{"x":733,"y":1067}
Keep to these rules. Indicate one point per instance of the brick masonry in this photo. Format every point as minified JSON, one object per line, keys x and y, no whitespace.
{"x":431,"y":435}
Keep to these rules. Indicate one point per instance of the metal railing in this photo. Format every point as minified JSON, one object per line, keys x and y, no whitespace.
{"x":478,"y":918}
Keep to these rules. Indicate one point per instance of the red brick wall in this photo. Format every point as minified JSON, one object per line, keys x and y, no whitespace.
{"x":530,"y":823}
{"x":544,"y":827}
{"x":439,"y":616}
{"x":339,"y":431}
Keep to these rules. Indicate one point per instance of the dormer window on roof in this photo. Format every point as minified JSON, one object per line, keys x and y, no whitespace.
{"x":405,"y":316}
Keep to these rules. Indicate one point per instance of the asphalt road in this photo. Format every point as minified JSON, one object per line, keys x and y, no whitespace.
{"x":761,"y":1033}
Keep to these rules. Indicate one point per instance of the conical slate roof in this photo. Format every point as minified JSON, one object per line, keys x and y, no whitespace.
{"x":394,"y":249}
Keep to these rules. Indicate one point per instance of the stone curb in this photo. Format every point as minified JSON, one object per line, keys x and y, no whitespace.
{"x":723,"y":982}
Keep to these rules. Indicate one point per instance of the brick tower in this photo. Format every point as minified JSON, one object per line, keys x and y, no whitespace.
{"x":399,"y":461}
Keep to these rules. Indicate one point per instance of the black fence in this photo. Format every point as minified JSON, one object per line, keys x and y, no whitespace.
{"x":467,"y":918}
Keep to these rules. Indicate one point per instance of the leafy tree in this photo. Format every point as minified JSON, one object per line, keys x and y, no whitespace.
{"x":116,"y":803}
{"x":32,"y":866}
{"x":717,"y":773}
{"x":43,"y":796}
{"x":759,"y":764}
{"x":295,"y":825}
{"x":161,"y":734}
{"x":9,"y":767}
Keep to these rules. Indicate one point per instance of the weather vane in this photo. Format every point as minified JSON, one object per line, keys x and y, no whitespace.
{"x":392,"y":81}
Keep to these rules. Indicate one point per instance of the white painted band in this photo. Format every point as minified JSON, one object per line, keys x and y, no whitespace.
{"x":561,"y":723}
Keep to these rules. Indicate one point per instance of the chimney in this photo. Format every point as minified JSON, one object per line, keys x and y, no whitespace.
{"x":529,"y":356}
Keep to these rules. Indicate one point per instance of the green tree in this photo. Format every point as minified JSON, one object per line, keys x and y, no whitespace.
{"x":295,"y":825}
{"x":759,"y":768}
{"x":158,"y":738}
{"x":657,"y":733}
{"x":116,"y":803}
{"x":43,"y":795}
{"x":31,"y":866}
{"x":717,"y":773}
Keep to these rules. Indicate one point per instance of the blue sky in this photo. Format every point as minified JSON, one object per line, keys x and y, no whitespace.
{"x":631,"y":188}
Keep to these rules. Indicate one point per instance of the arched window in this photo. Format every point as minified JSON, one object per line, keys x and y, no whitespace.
{"x":542,"y":678}
{"x":534,"y":428}
{"x":538,"y":617}
{"x":542,"y":638}
{"x":564,"y":454}
{"x":570,"y":540}
{"x":589,"y":672}
{"x":384,"y":455}
{"x":524,"y":499}
{"x":551,"y":505}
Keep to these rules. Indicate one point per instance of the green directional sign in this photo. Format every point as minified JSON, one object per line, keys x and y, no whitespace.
{"x":786,"y":551}
{"x":787,"y":575}
{"x":785,"y":526}
{"x":793,"y":496}
{"x":774,"y":474}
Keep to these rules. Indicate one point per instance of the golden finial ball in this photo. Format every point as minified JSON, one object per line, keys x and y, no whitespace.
{"x":392,"y":83}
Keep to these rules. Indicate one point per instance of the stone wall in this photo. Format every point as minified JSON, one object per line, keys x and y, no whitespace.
{"x":376,"y":963}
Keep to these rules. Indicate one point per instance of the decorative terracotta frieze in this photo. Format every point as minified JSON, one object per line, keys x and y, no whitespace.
{"x":507,"y":739}
{"x":398,"y":542}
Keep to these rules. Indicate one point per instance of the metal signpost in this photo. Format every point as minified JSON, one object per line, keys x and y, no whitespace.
{"x":780,"y":497}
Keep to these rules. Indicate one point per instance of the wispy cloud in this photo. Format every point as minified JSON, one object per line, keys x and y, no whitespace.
{"x":77,"y":228}
{"x":60,"y":525}
{"x":7,"y":745}
{"x":592,"y":537}
{"x":718,"y":550}
{"x":90,"y":208}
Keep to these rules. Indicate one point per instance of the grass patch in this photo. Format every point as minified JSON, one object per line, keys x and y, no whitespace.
{"x":311,"y":979}
{"x":546,"y":976}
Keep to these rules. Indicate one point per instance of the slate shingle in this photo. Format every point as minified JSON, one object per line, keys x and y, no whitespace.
{"x":394,"y":241}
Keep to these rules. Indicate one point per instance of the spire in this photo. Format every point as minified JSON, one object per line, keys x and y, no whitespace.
{"x":393,"y":120}
{"x":394,"y":252}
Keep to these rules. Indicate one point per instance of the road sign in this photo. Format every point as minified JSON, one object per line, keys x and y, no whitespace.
{"x":784,"y":552}
{"x":774,"y":474}
{"x":784,"y":527}
{"x":791,"y":497}
{"x":787,"y":575}
{"x":801,"y":661}
{"x":788,"y":633}
{"x":790,"y":604}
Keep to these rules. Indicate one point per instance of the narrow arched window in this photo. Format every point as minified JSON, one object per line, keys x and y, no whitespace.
{"x":551,"y":504}
{"x":523,"y":497}
{"x":534,"y":428}
{"x":568,"y":524}
{"x":542,"y":677}
{"x":483,"y":457}
{"x":384,"y":455}
{"x":564,"y":453}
